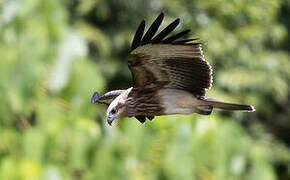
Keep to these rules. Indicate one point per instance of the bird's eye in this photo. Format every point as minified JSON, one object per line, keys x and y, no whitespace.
{"x":113,"y":111}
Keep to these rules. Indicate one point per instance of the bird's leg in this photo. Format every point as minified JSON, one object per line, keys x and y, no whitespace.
{"x":101,"y":102}
{"x":96,"y":98}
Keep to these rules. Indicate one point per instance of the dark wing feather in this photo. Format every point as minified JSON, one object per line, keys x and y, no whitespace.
{"x":159,"y":38}
{"x":138,"y":36}
{"x":175,"y":37}
{"x":171,"y":66}
{"x":165,"y":31}
{"x":152,"y":29}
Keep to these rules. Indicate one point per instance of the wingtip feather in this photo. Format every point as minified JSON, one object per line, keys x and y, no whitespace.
{"x":138,"y":35}
{"x":159,"y":37}
{"x":152,"y":29}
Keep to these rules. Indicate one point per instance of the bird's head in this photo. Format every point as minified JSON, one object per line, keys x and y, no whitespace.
{"x":117,"y":107}
{"x":115,"y":110}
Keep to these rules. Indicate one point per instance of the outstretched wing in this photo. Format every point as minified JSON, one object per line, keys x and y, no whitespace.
{"x":168,"y":62}
{"x":171,"y":66}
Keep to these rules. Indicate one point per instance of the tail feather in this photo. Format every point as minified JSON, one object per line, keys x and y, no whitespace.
{"x":228,"y":106}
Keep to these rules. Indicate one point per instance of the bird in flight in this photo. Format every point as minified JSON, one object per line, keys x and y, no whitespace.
{"x":170,"y":76}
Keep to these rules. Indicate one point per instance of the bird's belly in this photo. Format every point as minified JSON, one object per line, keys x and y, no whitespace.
{"x":177,"y":101}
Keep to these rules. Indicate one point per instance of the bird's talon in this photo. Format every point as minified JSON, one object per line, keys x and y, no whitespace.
{"x":95,"y":98}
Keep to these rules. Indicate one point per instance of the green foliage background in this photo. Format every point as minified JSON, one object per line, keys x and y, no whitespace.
{"x":55,"y":54}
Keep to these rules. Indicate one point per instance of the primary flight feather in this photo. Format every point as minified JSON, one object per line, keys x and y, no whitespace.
{"x":170,"y":76}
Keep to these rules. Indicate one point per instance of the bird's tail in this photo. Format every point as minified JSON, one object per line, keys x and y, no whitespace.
{"x":228,"y":106}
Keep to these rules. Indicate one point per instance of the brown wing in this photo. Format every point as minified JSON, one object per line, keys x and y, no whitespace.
{"x":171,"y":66}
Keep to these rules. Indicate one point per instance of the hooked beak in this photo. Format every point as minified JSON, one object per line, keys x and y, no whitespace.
{"x":110,"y":119}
